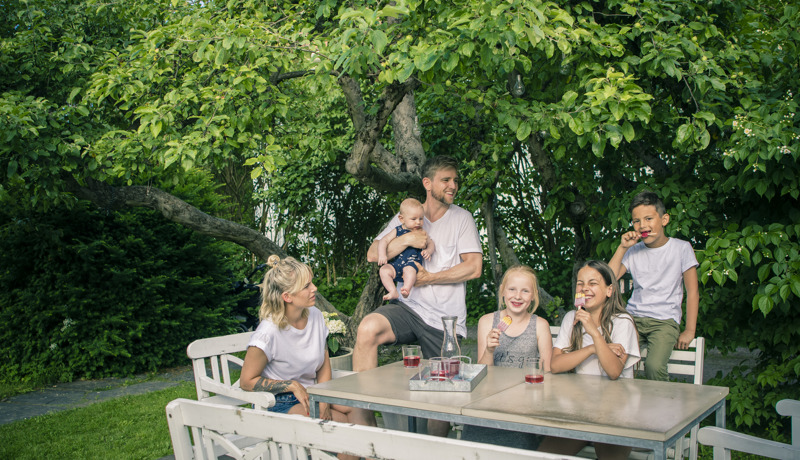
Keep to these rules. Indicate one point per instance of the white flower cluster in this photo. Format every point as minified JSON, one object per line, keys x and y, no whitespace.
{"x":68,"y":322}
{"x":335,"y":326}
{"x":784,"y":149}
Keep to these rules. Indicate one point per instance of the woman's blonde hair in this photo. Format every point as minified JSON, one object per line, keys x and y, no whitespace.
{"x":614,"y":306}
{"x":286,"y":276}
{"x":522,"y":270}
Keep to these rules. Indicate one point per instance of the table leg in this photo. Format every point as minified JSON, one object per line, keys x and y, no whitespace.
{"x":721,"y":415}
{"x":313,"y":408}
{"x":412,"y":424}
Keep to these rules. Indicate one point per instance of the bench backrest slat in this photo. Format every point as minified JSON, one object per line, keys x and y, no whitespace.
{"x":292,"y":432}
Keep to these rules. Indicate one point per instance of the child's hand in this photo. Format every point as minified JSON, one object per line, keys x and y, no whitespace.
{"x":583,"y":316}
{"x":493,"y":340}
{"x":617,"y":348}
{"x":426,"y":254}
{"x":629,"y":239}
{"x":685,"y":339}
{"x":381,"y":261}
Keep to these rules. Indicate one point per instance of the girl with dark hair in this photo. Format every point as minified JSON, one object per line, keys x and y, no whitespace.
{"x":598,"y":338}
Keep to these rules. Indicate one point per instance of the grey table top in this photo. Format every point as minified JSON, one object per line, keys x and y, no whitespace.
{"x":632,"y":408}
{"x":653,"y":413}
{"x":388,"y":385}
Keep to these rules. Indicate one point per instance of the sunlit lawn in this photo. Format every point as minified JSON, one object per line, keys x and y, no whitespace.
{"x":129,"y":427}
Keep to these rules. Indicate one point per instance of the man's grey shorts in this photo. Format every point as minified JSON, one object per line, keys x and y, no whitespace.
{"x":408,"y":327}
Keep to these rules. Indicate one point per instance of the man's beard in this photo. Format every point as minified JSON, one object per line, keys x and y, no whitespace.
{"x":440,"y":197}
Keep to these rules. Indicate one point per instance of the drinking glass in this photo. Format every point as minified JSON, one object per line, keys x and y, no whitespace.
{"x":534,"y":372}
{"x":412,"y":355}
{"x":440,"y":368}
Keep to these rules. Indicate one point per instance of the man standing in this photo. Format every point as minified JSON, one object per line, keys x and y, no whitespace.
{"x":440,"y":289}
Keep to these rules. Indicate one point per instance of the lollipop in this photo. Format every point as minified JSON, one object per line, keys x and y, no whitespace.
{"x":580,"y":300}
{"x":504,"y":323}
{"x":644,"y":234}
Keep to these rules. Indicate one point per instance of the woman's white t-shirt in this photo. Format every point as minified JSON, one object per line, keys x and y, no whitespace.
{"x":623,"y":333}
{"x":293,"y":354}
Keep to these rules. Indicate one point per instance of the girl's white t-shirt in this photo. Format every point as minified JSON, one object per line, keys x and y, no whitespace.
{"x":293,"y":354}
{"x":623,"y":333}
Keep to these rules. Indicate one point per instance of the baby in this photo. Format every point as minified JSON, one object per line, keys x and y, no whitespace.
{"x":403,"y":267}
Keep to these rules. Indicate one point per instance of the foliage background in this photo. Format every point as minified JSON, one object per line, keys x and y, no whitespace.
{"x":89,"y":293}
{"x":559,"y":112}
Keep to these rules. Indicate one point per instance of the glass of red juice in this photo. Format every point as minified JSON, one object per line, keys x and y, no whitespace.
{"x":440,"y":368}
{"x":412,"y":355}
{"x":534,"y":372}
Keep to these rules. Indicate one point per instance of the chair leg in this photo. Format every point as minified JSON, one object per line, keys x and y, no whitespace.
{"x":693,"y":443}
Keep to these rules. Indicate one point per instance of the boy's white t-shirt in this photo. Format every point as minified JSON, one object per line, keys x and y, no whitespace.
{"x":455,"y":233}
{"x":623,"y":333}
{"x":658,"y":278}
{"x":293,"y":354}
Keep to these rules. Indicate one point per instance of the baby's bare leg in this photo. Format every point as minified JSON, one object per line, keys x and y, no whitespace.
{"x":387,"y":273}
{"x":409,"y":278}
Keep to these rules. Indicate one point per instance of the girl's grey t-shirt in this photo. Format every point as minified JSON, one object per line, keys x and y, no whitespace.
{"x":516,"y":351}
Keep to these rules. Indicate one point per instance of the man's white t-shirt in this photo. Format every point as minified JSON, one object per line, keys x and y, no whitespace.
{"x":293,"y":354}
{"x":623,"y":333}
{"x":455,"y":233}
{"x":658,"y":278}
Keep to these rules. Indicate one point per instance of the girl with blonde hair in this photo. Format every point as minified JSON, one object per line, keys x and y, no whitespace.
{"x":526,"y":338}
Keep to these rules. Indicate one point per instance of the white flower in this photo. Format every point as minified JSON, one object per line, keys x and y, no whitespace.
{"x":68,"y":322}
{"x":335,"y":326}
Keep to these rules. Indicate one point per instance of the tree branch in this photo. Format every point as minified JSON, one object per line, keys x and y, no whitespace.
{"x":368,"y":133}
{"x":181,"y":212}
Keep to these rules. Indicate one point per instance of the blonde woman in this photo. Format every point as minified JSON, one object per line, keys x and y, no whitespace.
{"x":288,"y":351}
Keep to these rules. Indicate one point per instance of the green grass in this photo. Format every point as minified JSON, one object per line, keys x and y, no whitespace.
{"x":130,"y":427}
{"x":8,"y":390}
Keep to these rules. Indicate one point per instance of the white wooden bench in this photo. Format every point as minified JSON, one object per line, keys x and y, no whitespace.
{"x":724,"y":441}
{"x":213,"y":361}
{"x":295,"y":437}
{"x":687,"y":363}
{"x":214,"y":364}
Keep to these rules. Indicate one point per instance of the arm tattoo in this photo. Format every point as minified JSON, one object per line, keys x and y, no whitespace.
{"x":271,"y":386}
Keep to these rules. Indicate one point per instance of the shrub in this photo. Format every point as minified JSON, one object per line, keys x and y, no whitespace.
{"x":88,"y":294}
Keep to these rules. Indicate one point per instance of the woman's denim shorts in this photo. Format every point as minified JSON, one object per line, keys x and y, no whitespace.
{"x":283,"y":402}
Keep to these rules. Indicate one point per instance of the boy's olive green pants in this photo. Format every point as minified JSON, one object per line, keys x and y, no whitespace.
{"x":659,"y":337}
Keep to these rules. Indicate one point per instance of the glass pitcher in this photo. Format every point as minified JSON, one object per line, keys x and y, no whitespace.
{"x":450,"y":347}
{"x":451,"y":351}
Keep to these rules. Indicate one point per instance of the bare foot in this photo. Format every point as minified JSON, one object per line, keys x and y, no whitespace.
{"x":405,"y":292}
{"x":391,"y":295}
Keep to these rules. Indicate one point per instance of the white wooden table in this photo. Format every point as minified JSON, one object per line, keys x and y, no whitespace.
{"x":632,"y":412}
